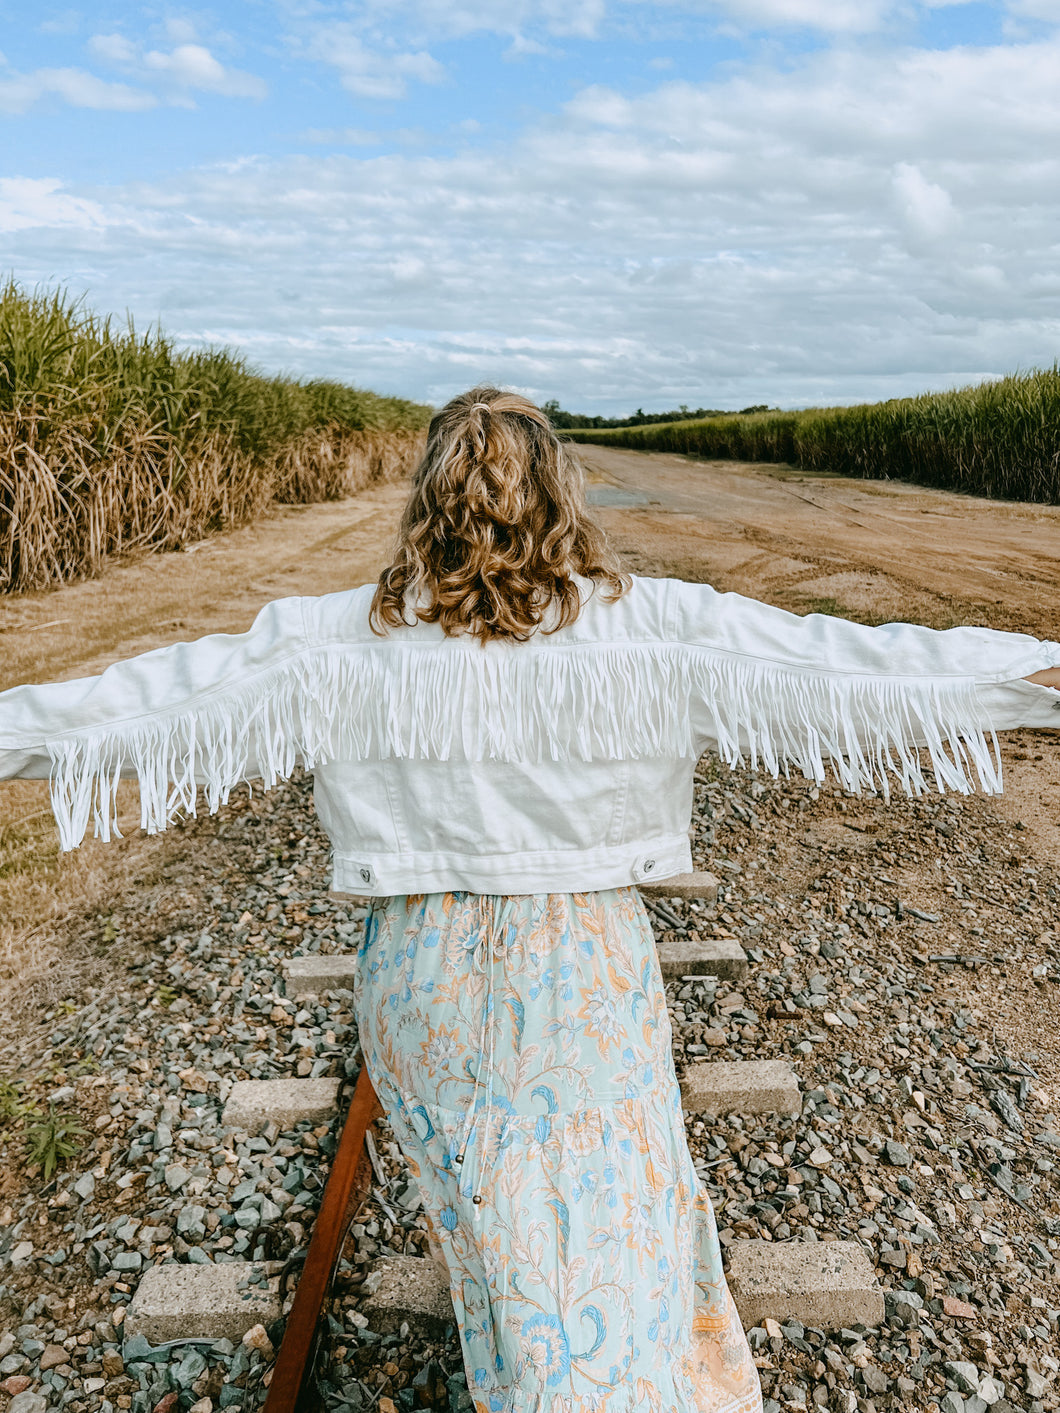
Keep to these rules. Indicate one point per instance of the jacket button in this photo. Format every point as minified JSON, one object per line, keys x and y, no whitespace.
{"x":648,"y":865}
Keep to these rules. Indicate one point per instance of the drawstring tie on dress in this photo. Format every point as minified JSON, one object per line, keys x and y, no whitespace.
{"x":485,"y":954}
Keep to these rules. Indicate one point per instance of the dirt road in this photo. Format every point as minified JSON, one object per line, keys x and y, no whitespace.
{"x":871,"y":550}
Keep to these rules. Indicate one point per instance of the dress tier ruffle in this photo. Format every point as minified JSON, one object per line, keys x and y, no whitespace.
{"x":521,"y":1049}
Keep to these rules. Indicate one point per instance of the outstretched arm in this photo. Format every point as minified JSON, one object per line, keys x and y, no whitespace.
{"x":201,"y":713}
{"x":819,"y":691}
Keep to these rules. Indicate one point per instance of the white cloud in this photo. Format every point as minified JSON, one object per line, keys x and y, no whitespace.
{"x":192,"y":66}
{"x":521,"y":46}
{"x":373,"y":65}
{"x":185,"y":69}
{"x":1047,"y":10}
{"x":80,"y":89}
{"x":66,"y":22}
{"x":927,"y":207}
{"x":860,"y":224}
{"x":29,"y":204}
{"x":834,"y":16}
{"x":181,"y":31}
{"x":113,"y":49}
{"x":367,"y":72}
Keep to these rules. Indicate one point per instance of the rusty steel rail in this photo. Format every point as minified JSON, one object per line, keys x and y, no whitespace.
{"x":291,"y":1386}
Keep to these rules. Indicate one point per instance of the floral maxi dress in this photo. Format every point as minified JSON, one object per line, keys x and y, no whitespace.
{"x":521,"y":1049}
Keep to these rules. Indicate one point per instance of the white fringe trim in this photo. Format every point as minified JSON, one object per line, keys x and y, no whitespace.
{"x":585,"y":703}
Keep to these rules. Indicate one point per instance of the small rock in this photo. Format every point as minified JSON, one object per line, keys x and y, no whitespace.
{"x":957,"y":1309}
{"x":52,"y":1357}
{"x":28,"y":1402}
{"x":897,"y":1154}
{"x":256,"y":1338}
{"x":194,"y":1080}
{"x":17,"y":1383}
{"x":876,"y":1381}
{"x":1036,"y":1384}
{"x":991,"y":1390}
{"x":85,"y":1186}
{"x":113,"y":1363}
{"x":191,"y":1222}
{"x":1002,"y":1104}
{"x":176,"y":1176}
{"x":192,"y":1365}
{"x":965,"y":1375}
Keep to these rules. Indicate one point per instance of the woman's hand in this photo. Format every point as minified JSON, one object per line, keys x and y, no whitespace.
{"x":1048,"y":677}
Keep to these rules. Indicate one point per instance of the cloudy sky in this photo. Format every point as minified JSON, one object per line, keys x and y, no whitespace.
{"x":612,"y":203}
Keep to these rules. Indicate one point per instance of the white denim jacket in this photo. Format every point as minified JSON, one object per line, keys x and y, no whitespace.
{"x":560,"y":764}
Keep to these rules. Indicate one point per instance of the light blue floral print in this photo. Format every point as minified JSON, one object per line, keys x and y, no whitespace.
{"x":521,"y":1048}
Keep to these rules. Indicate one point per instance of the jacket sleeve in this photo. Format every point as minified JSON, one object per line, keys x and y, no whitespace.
{"x":213,"y":712}
{"x":817,"y":691}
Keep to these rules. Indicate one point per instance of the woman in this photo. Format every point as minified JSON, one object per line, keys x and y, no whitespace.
{"x":503,"y":732}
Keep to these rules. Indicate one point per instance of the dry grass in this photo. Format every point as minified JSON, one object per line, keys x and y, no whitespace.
{"x":331,"y":463}
{"x":113,"y":441}
{"x":67,"y":512}
{"x":42,"y":891}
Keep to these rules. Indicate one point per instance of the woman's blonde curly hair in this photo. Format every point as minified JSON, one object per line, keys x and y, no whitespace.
{"x":495,"y":528}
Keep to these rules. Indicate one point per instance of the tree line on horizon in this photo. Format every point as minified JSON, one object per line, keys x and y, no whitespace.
{"x":567,"y":421}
